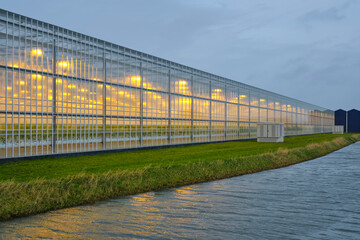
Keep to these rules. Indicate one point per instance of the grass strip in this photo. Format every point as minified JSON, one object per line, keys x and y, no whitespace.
{"x":39,"y":195}
{"x":50,"y":168}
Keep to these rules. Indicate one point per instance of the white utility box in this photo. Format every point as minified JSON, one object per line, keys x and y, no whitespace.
{"x":339,"y":129}
{"x":270,"y":132}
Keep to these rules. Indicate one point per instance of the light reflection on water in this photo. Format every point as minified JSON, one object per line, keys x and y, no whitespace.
{"x":314,"y":200}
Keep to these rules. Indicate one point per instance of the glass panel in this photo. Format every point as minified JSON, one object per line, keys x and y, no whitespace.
{"x":180,"y":82}
{"x":180,"y":107}
{"x":201,"y":109}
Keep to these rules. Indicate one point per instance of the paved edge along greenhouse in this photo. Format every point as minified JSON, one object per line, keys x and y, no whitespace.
{"x":65,"y":92}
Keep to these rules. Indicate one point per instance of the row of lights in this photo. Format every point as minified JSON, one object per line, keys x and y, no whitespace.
{"x":38,"y":52}
{"x":183,"y":85}
{"x":73,"y":86}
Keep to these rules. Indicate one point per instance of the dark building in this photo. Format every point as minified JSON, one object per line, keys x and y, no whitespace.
{"x":349,"y":119}
{"x":353,"y":121}
{"x":340,"y":118}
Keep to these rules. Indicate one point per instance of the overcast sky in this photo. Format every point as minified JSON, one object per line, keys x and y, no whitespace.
{"x":305,"y":49}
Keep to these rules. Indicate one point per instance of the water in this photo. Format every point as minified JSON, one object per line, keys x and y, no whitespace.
{"x":319,"y":199}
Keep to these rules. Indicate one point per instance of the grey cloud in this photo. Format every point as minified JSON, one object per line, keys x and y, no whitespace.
{"x":332,"y":14}
{"x":336,"y":13}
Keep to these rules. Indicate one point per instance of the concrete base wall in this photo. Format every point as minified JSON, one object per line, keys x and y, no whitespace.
{"x":268,"y":139}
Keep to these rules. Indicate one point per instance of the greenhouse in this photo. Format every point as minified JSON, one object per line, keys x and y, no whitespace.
{"x":65,"y":92}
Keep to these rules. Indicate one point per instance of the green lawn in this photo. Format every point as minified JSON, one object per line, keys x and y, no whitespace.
{"x":50,"y":168}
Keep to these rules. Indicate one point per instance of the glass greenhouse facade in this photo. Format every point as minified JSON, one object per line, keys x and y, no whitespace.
{"x":65,"y":92}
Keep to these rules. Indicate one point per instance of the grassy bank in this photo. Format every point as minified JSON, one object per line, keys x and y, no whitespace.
{"x":30,"y":187}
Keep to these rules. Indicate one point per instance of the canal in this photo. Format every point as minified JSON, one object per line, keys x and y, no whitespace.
{"x":318,"y":199}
